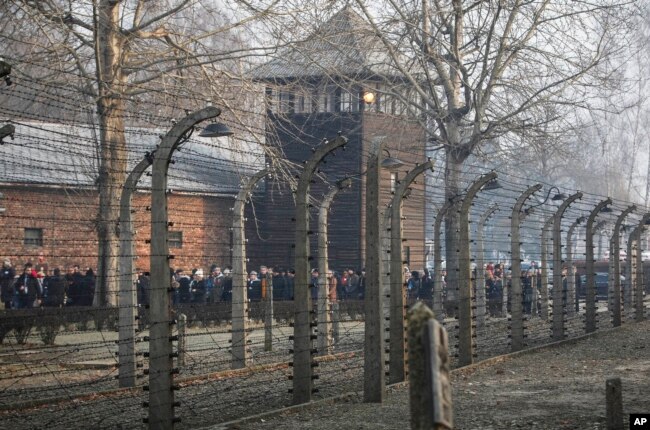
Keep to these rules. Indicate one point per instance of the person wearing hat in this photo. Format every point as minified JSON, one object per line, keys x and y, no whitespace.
{"x":254,"y":287}
{"x":7,"y":275}
{"x":197,"y":287}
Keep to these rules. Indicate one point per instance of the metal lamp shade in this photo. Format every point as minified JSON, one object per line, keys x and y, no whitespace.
{"x":216,"y":129}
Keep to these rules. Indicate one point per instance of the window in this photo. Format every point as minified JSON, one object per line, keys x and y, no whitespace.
{"x":34,"y":237}
{"x":327,"y":99}
{"x":175,"y":239}
{"x":393,"y":181}
{"x":349,"y":102}
{"x":286,"y":102}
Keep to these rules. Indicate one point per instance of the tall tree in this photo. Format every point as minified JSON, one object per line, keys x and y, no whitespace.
{"x":480,"y":70}
{"x":138,"y":62}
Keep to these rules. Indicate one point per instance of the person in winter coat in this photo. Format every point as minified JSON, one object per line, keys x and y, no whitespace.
{"x":413,"y":286}
{"x":254,"y":287}
{"x":56,"y":290}
{"x":426,"y":288}
{"x":27,"y":288}
{"x":184,"y":294}
{"x":352,"y":285}
{"x":226,"y":295}
{"x":198,"y":288}
{"x":87,"y":292}
{"x":7,"y":279}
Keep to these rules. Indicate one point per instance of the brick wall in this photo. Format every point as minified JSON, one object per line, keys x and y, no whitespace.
{"x":66,"y":219}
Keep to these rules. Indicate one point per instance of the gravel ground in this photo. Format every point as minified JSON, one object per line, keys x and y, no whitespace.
{"x":221,"y":398}
{"x":556,"y":387}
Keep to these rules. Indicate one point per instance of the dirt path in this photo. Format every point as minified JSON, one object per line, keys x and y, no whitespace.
{"x":558,"y":387}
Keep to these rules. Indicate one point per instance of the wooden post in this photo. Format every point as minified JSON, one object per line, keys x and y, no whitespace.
{"x":128,"y":302}
{"x":429,"y":377}
{"x":614,"y":400}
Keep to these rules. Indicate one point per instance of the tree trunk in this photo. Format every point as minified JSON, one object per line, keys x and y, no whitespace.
{"x":113,"y":154}
{"x":452,"y":227}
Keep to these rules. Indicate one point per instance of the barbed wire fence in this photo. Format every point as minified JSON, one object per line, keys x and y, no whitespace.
{"x":239,"y":352}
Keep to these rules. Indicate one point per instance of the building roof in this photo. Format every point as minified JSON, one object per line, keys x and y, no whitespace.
{"x":67,"y":155}
{"x":345,"y":45}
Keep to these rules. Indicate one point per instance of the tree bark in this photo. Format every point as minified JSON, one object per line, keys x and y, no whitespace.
{"x":112,"y":147}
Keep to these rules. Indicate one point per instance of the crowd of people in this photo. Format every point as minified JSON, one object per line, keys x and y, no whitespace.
{"x":36,"y":285}
{"x":216,"y":286}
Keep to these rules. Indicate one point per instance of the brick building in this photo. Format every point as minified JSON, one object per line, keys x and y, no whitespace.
{"x":48,"y":173}
{"x":50,"y":202}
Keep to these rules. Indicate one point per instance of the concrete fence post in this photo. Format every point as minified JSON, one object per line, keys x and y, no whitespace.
{"x":516,"y":300}
{"x":240,"y":356}
{"x":481,"y":305}
{"x":590,"y":299}
{"x":465,"y":326}
{"x":128,"y":302}
{"x":544,"y":263}
{"x":161,"y":389}
{"x":373,"y":377}
{"x":571,"y":299}
{"x":558,"y":300}
{"x":438,"y":309}
{"x":638,"y":285}
{"x":182,"y":339}
{"x":630,"y":278}
{"x":336,"y":320}
{"x":615,"y":291}
{"x":268,"y":313}
{"x":324,"y":322}
{"x":302,"y":332}
{"x":397,"y":369}
{"x":630,"y":296}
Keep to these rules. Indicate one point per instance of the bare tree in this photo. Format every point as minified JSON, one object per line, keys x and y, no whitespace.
{"x":507,"y":72}
{"x":481,"y":70}
{"x":138,"y":62}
